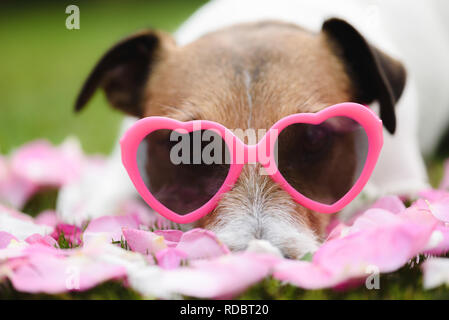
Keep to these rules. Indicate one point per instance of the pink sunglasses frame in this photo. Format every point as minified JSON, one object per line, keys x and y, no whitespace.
{"x":359,"y":113}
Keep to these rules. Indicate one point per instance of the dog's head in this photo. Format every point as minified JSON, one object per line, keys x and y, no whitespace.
{"x":250,"y":76}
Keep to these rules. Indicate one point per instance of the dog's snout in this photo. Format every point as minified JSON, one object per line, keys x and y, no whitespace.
{"x":258,"y":209}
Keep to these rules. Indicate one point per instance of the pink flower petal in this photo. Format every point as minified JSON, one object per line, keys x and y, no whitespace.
{"x":420,"y":216}
{"x":374,"y":218}
{"x":390,"y":203}
{"x":19,"y":224}
{"x":379,"y":238}
{"x":70,"y":232}
{"x":145,"y":215}
{"x":170,"y":258}
{"x":305,"y":275}
{"x":44,"y":240}
{"x":44,"y":164}
{"x":433,"y":195}
{"x":386,"y":247}
{"x":172,"y":237}
{"x":421,"y":204}
{"x":337,"y":231}
{"x":109,"y":226}
{"x":440,"y":208}
{"x":221,"y":277}
{"x":52,"y":273}
{"x":351,"y":255}
{"x":144,"y":242}
{"x":47,"y":218}
{"x":200,"y":243}
{"x":442,"y":246}
{"x":14,"y":190}
{"x":5,"y":239}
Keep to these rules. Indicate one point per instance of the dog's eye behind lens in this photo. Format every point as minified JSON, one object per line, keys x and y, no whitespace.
{"x":181,"y":172}
{"x":322,"y":161}
{"x":315,"y":138}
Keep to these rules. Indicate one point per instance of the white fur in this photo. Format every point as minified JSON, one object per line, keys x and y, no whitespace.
{"x":263,"y":246}
{"x":412,"y":31}
{"x":257,"y":209}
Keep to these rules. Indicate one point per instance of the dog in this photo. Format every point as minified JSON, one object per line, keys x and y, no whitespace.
{"x":247,"y":64}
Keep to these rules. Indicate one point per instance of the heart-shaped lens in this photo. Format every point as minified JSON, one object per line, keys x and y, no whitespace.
{"x":324,"y":161}
{"x":183,"y":170}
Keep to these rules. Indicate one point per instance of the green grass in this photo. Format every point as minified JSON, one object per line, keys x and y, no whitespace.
{"x":43,"y":65}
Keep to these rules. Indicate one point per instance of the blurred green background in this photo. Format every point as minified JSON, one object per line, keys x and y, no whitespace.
{"x":43,"y":65}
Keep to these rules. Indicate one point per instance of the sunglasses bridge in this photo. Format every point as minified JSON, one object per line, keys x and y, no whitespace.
{"x":252,"y":154}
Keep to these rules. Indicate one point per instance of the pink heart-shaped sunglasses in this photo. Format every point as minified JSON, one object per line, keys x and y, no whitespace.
{"x":323,"y":159}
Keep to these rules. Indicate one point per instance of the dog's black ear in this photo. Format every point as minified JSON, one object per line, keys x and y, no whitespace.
{"x":123,"y":70}
{"x":376,"y":75}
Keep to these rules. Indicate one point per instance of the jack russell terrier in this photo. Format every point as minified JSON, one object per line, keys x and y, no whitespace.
{"x":247,"y":64}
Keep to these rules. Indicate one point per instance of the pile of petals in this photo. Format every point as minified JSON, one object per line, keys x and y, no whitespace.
{"x":157,"y":259}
